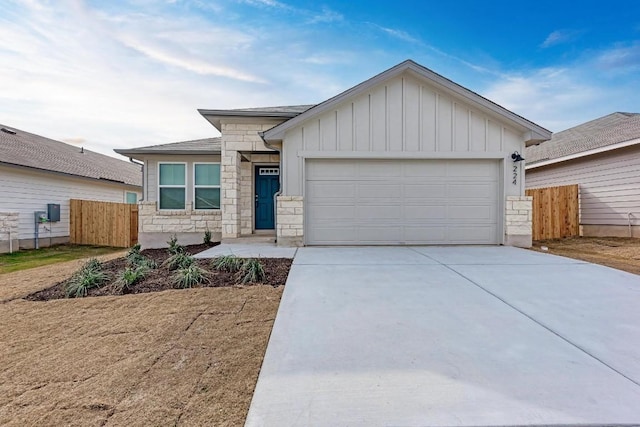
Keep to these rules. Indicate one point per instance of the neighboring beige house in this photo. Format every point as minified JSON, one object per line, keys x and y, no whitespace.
{"x":406,"y":157}
{"x":36,"y":171}
{"x":603,"y":157}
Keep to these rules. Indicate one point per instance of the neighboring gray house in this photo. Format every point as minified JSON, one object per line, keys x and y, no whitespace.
{"x":603,"y":157}
{"x":36,"y":171}
{"x":406,"y":157}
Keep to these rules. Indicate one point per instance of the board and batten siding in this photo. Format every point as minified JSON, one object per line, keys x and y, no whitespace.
{"x":405,"y":114}
{"x":26,"y":191}
{"x":609,"y":184}
{"x":151,"y":172}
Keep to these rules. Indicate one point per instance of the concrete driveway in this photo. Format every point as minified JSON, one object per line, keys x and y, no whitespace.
{"x":451,"y":336}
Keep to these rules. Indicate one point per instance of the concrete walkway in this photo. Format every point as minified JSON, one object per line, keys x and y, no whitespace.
{"x":451,"y":336}
{"x":248,"y":250}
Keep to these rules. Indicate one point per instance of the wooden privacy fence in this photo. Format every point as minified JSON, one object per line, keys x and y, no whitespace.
{"x":555,"y":212}
{"x":103,"y":223}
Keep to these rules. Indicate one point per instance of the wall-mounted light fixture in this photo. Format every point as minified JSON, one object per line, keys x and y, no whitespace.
{"x":517,"y":157}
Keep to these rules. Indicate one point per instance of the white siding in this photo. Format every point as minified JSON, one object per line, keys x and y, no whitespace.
{"x":151,"y":172}
{"x":25,"y":191}
{"x":609,"y":184}
{"x":405,"y":114}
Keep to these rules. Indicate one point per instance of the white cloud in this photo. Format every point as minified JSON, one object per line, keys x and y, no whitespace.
{"x":560,"y":37}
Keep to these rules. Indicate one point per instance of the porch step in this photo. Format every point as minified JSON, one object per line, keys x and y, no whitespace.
{"x":254,"y":238}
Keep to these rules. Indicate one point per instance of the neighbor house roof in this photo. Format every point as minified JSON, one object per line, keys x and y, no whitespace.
{"x":279,"y":112}
{"x":20,"y":148}
{"x":534,"y":132}
{"x":603,"y":134}
{"x":196,"y":146}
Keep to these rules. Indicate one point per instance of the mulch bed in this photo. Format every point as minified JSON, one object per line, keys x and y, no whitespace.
{"x":159,"y":279}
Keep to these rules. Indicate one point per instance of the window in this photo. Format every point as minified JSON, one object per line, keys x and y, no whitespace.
{"x":172,"y":185}
{"x":132,"y":198}
{"x":206,"y":186}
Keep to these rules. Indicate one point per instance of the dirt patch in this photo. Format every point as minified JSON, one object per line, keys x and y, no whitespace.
{"x":159,"y":279}
{"x":21,"y":283}
{"x":178,"y":357}
{"x":616,"y":252}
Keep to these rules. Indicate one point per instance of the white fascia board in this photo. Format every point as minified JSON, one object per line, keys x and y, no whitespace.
{"x":585,"y":153}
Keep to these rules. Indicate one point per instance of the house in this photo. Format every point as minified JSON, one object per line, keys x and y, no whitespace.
{"x":36,"y":172}
{"x":602,"y":156}
{"x":406,"y":157}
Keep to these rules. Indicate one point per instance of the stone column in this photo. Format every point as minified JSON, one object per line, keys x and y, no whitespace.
{"x":290,"y":218}
{"x":230,"y":197}
{"x":518,"y":221}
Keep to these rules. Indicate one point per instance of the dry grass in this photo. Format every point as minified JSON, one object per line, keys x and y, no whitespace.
{"x":21,"y":283}
{"x":616,"y":252}
{"x":183,"y":357}
{"x":176,"y":357}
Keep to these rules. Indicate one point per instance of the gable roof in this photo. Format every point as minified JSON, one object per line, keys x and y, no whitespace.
{"x":535,"y":133}
{"x":195,"y":146}
{"x":20,"y":148}
{"x":601,"y":134}
{"x":280,"y":112}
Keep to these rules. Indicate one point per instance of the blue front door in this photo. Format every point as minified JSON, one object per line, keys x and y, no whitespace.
{"x":267,"y":184}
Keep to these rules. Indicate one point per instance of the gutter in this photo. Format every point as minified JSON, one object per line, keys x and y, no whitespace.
{"x":279,"y":192}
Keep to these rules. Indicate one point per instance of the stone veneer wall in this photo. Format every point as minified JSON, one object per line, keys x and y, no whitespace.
{"x":236,"y":176}
{"x":156,"y":227}
{"x":518,"y":221}
{"x":290,"y":221}
{"x":8,"y":222}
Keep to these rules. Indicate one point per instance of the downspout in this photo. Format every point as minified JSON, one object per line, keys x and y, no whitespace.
{"x":629,"y":219}
{"x":142,"y":165}
{"x":279,"y":192}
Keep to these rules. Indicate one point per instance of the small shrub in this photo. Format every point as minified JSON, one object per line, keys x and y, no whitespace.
{"x":89,"y":276}
{"x":207,"y":237}
{"x":252,"y":271}
{"x":189,"y":276}
{"x":131,"y":276}
{"x":148,"y":263}
{"x":178,"y":261}
{"x":174,"y":246}
{"x":134,"y":257}
{"x":229,"y":263}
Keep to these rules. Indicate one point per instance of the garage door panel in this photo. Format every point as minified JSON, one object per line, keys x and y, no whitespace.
{"x":424,"y":213}
{"x":473,"y":213}
{"x":402,"y":202}
{"x":375,"y":213}
{"x":425,"y":191}
{"x":319,"y":189}
{"x":472,"y":191}
{"x":475,"y":234}
{"x":331,"y":212}
{"x":379,"y":191}
{"x":472,"y":168}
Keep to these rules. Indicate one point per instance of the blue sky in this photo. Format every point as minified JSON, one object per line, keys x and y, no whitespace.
{"x":116,"y":74}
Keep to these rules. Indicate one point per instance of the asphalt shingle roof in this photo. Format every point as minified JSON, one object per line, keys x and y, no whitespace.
{"x":608,"y":130}
{"x":195,"y":146}
{"x":34,"y":151}
{"x":286,"y":109}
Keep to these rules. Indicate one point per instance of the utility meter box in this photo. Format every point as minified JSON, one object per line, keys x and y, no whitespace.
{"x":40,"y":217}
{"x":53,"y":211}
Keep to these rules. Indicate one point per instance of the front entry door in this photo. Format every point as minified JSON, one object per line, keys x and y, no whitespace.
{"x":267,"y":184}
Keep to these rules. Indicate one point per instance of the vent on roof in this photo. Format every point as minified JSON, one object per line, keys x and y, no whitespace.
{"x":9,"y":131}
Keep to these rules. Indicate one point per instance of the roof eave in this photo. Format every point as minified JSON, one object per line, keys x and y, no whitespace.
{"x":215,"y":116}
{"x":537,"y":133}
{"x":581,"y":154}
{"x":133,"y":152}
{"x":103,"y":180}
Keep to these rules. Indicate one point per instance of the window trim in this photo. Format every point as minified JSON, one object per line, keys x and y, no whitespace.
{"x":159,"y":186}
{"x":206,"y":186}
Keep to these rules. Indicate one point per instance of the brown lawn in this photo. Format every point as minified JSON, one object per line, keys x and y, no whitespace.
{"x":616,"y":252}
{"x":177,"y":357}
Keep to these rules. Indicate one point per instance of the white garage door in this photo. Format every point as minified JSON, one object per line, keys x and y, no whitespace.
{"x":396,"y":202}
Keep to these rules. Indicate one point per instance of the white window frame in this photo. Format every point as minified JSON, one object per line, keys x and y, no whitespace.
{"x":205,"y":186}
{"x":186,"y":166}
